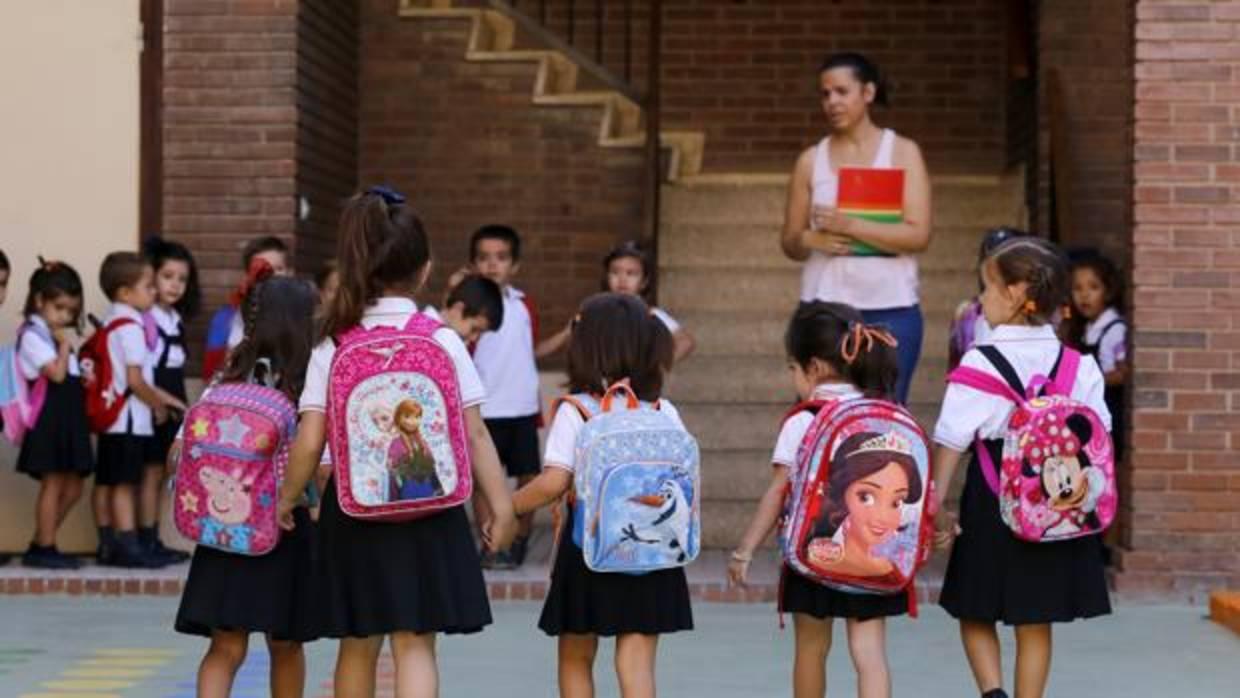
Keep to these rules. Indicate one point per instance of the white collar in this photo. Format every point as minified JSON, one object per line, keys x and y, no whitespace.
{"x":120,"y":310}
{"x":392,"y":305}
{"x":514,"y":293}
{"x":827,"y":391}
{"x":1107,"y":316}
{"x":1017,"y":333}
{"x":38,"y":321}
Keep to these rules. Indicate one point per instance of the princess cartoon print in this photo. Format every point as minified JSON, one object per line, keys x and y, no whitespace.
{"x":411,"y":464}
{"x":872,"y":477}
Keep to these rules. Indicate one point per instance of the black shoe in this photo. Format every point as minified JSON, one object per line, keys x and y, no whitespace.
{"x":520,"y":547}
{"x":996,"y":693}
{"x":48,"y":558}
{"x":5,"y":559}
{"x":104,"y":555}
{"x":128,"y":553}
{"x":157,"y":550}
{"x":503,"y":560}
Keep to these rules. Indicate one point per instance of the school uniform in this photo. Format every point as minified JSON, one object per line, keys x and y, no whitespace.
{"x":799,"y":594}
{"x":169,"y":375}
{"x":381,"y":577}
{"x":505,"y":361}
{"x":581,"y":601}
{"x":272,"y":593}
{"x":124,"y":447}
{"x":993,"y":576}
{"x":1106,"y":339}
{"x":672,"y":325}
{"x":60,"y":439}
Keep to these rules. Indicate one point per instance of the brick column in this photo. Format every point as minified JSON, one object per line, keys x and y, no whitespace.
{"x":1182,"y":510}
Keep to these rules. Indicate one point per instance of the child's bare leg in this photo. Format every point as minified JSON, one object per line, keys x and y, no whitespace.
{"x":809,"y":669}
{"x":219,"y":666}
{"x":1033,"y":659}
{"x":417,"y":672}
{"x":123,"y":511}
{"x":47,"y":509}
{"x":525,"y":523}
{"x":635,"y":657}
{"x":70,"y":493}
{"x":981,"y":647}
{"x":101,"y":503}
{"x":867,"y":643}
{"x":288,"y":668}
{"x":355,"y":666}
{"x":148,"y":503}
{"x":576,"y":665}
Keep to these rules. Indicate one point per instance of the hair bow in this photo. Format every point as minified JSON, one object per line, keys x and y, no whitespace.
{"x":260,"y":270}
{"x":390,"y":196}
{"x":861,"y":337}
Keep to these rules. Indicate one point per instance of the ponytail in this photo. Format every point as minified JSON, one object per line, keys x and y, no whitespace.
{"x":277,"y":315}
{"x":381,"y":244}
{"x":835,"y":333}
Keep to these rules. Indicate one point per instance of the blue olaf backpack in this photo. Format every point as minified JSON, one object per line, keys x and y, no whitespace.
{"x":637,"y":487}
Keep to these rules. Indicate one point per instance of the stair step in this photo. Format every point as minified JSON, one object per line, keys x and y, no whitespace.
{"x":748,"y":426}
{"x":736,"y":474}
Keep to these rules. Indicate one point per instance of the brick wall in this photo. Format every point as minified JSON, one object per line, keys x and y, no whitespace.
{"x":327,"y":65}
{"x":1089,"y":43}
{"x":1184,"y":503}
{"x":230,"y":133}
{"x":466,"y":143}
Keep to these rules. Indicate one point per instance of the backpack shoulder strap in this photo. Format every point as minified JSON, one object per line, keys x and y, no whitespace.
{"x":1003,"y":366}
{"x":1110,"y":326}
{"x":1063,"y":375}
{"x":584,"y":404}
{"x":811,"y":406}
{"x":423,"y":324}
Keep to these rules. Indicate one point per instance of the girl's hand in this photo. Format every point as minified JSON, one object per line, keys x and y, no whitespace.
{"x":946,"y":529}
{"x":826,"y":219}
{"x":738,"y":568}
{"x":284,"y":514}
{"x":829,"y":243}
{"x":61,"y":336}
{"x":498,"y":532}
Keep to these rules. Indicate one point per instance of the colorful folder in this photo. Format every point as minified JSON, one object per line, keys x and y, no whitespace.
{"x":873,"y":195}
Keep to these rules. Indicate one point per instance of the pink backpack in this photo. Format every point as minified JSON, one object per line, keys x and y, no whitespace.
{"x":234,"y":449}
{"x":21,"y":401}
{"x":1056,"y":480}
{"x":860,"y":448}
{"x":395,"y":424}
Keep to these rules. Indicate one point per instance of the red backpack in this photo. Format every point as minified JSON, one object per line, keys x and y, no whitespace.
{"x":103,"y":402}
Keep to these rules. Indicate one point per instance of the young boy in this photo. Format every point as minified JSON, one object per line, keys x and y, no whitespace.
{"x":129,"y":282}
{"x":226,"y":330}
{"x":473,"y":306}
{"x":505,"y":361}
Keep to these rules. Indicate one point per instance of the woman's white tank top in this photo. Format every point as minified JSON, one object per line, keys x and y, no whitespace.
{"x":866,"y":283}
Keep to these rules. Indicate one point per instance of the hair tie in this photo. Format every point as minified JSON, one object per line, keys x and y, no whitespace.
{"x":390,"y":196}
{"x":47,"y":265}
{"x":860,"y":333}
{"x":260,"y":270}
{"x":1030,"y":307}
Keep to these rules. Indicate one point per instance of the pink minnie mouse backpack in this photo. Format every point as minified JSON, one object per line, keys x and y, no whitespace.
{"x":1056,"y":480}
{"x":234,"y":449}
{"x":395,"y":424}
{"x":858,"y":514}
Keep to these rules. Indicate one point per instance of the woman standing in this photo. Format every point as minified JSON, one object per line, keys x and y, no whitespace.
{"x":881,"y":281}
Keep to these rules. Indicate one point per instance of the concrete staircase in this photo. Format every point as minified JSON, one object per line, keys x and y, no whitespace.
{"x":723,"y":275}
{"x":494,"y":37}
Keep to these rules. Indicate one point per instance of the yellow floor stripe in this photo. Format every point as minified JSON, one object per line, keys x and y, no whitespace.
{"x":124,"y":662}
{"x":136,"y":651}
{"x":87,"y":684}
{"x":60,"y":694}
{"x":107,"y":673}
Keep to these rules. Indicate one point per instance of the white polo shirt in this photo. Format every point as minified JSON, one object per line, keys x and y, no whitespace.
{"x":127,"y":347}
{"x":390,"y":311}
{"x":35,"y":351}
{"x":505,"y":361}
{"x":169,"y":323}
{"x":792,"y":433}
{"x":1113,"y":344}
{"x":968,"y":413}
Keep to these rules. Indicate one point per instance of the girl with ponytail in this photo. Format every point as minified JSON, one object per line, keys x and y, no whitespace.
{"x":833,"y":356}
{"x":410,"y":580}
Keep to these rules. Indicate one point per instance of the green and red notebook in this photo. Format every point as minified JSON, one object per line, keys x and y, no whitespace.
{"x":874,"y":195}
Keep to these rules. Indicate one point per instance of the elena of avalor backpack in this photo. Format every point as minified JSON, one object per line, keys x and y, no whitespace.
{"x":637,"y":489}
{"x":21,"y":400}
{"x":103,"y":402}
{"x":1056,"y":480}
{"x":859,"y":512}
{"x":234,"y":449}
{"x":395,"y":424}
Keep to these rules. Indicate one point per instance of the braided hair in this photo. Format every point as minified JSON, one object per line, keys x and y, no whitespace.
{"x":1042,"y":266}
{"x":277,"y":315}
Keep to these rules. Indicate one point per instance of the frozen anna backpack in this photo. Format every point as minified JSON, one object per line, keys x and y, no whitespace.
{"x":395,"y":424}
{"x":859,"y":511}
{"x":234,"y":449}
{"x":21,"y":400}
{"x":637,"y":491}
{"x":1056,"y":478}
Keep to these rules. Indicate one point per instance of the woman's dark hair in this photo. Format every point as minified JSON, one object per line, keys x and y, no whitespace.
{"x":381,"y":244}
{"x":50,"y":281}
{"x":615,"y":337}
{"x":1042,"y":266}
{"x":630,"y":249}
{"x":863,"y":69}
{"x":848,"y":466}
{"x":158,"y":251}
{"x":324,"y":273}
{"x":1074,"y":325}
{"x":278,"y":318}
{"x":821,"y":330}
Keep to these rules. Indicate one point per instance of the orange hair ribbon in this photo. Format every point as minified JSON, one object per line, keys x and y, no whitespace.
{"x":862,"y":334}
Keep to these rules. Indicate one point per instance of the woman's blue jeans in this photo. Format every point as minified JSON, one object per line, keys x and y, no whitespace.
{"x":907,"y":327}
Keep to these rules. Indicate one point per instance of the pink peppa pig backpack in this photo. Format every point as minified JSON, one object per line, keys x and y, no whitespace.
{"x":395,"y":424}
{"x":1056,"y":480}
{"x":234,"y":449}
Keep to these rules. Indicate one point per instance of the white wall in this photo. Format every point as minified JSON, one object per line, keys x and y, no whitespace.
{"x":69,"y":154}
